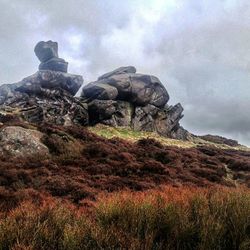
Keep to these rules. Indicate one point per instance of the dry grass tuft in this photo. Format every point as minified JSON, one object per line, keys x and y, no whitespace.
{"x":169,"y":218}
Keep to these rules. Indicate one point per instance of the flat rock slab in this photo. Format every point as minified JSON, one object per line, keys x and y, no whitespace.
{"x":121,"y":70}
{"x":54,"y":64}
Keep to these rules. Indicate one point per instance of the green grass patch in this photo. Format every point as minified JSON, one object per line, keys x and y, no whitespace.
{"x":131,"y":135}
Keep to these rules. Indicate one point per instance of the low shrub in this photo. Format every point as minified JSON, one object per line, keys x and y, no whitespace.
{"x":170,"y":218}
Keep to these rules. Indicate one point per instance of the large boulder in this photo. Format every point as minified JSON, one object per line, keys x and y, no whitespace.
{"x":47,"y":53}
{"x":135,"y":88}
{"x":48,"y":79}
{"x":39,"y":83}
{"x":16,"y":141}
{"x":46,"y":50}
{"x":99,"y":91}
{"x":140,"y":89}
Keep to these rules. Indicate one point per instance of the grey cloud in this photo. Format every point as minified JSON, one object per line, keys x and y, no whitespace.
{"x":199,"y":49}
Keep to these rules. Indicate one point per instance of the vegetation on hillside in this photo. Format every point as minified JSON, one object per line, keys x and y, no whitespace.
{"x":133,"y":136}
{"x":83,"y":164}
{"x":171,"y":218}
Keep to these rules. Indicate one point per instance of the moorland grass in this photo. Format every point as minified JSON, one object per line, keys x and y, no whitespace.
{"x":170,"y":218}
{"x":133,"y":136}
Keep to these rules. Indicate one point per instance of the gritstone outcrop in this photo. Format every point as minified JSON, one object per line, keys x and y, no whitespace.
{"x":122,"y":97}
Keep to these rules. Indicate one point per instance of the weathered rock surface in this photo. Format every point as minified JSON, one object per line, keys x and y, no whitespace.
{"x":144,"y":118}
{"x":20,"y":142}
{"x":47,"y":53}
{"x":55,"y":64}
{"x":51,"y":80}
{"x":36,"y":104}
{"x":122,"y":117}
{"x":100,"y":110}
{"x":125,"y":98}
{"x":99,"y":91}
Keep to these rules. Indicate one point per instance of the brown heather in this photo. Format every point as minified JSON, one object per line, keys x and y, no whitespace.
{"x":168,"y":218}
{"x":99,"y":193}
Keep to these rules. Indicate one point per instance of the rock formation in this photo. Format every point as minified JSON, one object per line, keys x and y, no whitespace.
{"x":126,"y":98}
{"x":118,"y":98}
{"x":47,"y":53}
{"x":47,"y":95}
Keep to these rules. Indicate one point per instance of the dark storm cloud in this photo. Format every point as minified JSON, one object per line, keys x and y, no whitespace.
{"x":199,"y":49}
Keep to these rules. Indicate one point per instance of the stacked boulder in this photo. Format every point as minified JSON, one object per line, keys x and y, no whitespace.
{"x":47,"y":95}
{"x":126,"y":98}
{"x":47,"y":53}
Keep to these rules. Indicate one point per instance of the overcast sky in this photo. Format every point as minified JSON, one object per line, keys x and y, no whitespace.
{"x":200,"y":49}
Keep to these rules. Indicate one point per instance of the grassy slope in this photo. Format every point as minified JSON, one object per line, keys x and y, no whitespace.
{"x":133,"y":136}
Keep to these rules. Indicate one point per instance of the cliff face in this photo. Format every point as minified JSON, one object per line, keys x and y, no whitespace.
{"x":119,"y":98}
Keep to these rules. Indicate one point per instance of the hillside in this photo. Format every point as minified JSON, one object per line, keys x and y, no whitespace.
{"x":81,"y":164}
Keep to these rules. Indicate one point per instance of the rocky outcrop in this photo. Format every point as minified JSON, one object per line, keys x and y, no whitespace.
{"x":220,"y":140}
{"x":122,"y":97}
{"x":126,"y":98}
{"x":46,"y":96}
{"x":20,"y":142}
